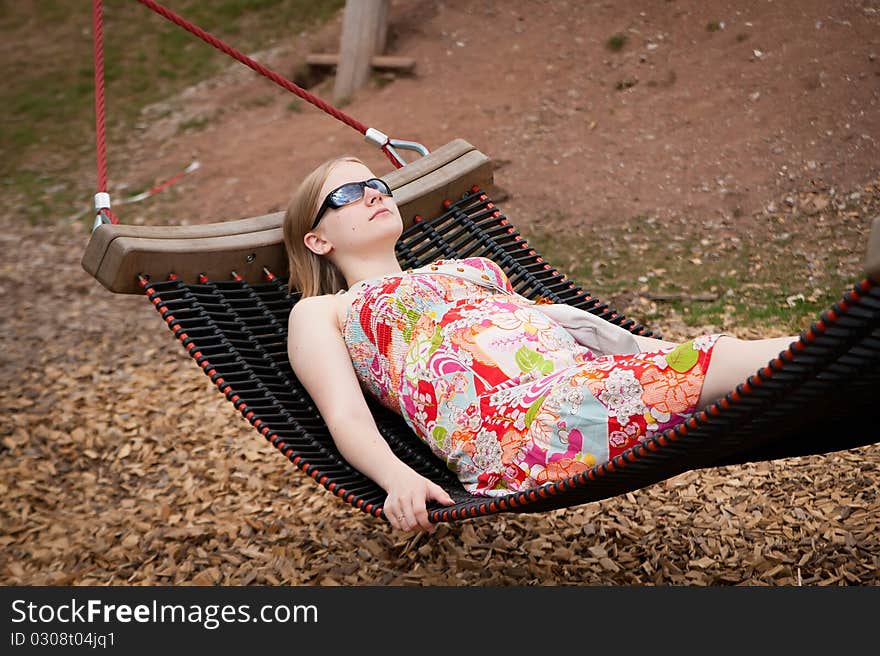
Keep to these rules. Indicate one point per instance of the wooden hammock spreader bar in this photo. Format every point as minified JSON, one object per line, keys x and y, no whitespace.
{"x":117,"y":254}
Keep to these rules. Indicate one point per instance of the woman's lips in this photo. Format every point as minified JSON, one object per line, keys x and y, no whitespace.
{"x":378,"y":212}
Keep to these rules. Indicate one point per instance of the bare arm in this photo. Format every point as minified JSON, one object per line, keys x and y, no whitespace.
{"x":321,"y":362}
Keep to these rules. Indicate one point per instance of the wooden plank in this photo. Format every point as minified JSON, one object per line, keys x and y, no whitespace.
{"x":102,"y":238}
{"x":216,"y":257}
{"x":431,"y":162}
{"x":117,"y":254}
{"x":361,"y":30}
{"x":390,"y":62}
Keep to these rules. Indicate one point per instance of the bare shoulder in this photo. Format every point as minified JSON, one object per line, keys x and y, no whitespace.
{"x":314,"y":307}
{"x":317,"y":312}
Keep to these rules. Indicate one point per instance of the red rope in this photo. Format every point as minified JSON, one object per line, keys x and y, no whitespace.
{"x":262,"y":70}
{"x":100,"y":120}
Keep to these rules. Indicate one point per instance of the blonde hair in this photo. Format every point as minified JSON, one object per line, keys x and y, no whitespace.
{"x":310,"y":273}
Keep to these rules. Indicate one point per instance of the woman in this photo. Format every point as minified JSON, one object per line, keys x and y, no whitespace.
{"x":496,"y":388}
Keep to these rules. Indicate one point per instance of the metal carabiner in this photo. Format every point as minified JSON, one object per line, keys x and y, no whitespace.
{"x":382,"y":140}
{"x":102,"y":204}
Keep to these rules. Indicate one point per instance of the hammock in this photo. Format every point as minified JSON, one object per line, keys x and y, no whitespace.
{"x":220,"y":289}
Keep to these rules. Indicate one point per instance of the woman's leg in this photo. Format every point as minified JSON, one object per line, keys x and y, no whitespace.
{"x":734,"y":360}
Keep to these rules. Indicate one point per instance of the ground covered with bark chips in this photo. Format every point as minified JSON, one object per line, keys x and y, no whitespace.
{"x":710,"y":133}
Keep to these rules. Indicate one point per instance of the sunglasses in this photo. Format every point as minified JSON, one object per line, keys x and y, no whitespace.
{"x":349,"y":193}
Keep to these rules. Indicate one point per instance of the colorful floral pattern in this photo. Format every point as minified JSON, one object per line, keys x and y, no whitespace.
{"x":500,"y":391}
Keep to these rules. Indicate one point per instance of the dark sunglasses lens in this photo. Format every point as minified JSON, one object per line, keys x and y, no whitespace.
{"x":347,"y":194}
{"x":378,"y":185}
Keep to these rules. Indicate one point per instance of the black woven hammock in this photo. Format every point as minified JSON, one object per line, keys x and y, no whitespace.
{"x":816,"y":397}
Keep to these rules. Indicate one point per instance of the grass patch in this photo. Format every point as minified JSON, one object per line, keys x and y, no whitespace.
{"x":41,"y":194}
{"x":616,"y":42}
{"x":683,"y":272}
{"x":258,"y":102}
{"x":47,"y":128}
{"x":381,"y":80}
{"x":195,"y":123}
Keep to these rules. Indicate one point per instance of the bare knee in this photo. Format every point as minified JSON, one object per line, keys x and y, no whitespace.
{"x":724,"y":370}
{"x":734,"y":360}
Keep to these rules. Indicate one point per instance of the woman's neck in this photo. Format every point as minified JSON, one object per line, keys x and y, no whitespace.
{"x":366,"y":269}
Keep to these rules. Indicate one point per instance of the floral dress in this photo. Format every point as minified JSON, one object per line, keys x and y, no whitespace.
{"x":499,"y":391}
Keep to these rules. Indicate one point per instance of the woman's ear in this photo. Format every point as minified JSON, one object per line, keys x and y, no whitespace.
{"x":316,"y":243}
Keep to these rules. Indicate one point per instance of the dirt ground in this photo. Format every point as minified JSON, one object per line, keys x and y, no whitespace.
{"x":121,"y":463}
{"x":684,"y":119}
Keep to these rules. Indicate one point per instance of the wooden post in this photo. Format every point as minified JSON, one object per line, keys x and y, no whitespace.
{"x":363,"y":35}
{"x":381,"y":28}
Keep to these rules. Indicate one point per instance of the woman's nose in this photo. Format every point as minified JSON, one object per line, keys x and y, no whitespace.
{"x":370,"y":195}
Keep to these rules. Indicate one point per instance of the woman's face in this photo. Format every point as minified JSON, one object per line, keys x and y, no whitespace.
{"x":372,"y":220}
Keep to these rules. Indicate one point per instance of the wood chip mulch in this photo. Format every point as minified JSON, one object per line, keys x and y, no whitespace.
{"x":122,"y":465}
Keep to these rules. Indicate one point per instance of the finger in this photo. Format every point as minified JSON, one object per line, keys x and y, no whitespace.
{"x":439,"y":494}
{"x":421,"y":516}
{"x":418,"y":513}
{"x":411,"y":509}
{"x":403,"y":521}
{"x":395,"y":515}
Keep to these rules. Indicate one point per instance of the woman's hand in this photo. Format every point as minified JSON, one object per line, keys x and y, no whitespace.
{"x":408,"y":494}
